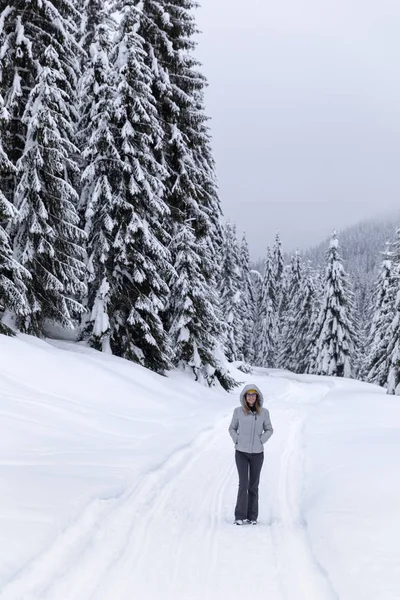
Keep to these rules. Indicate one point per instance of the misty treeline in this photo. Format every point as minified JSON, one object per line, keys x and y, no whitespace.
{"x":312,"y":318}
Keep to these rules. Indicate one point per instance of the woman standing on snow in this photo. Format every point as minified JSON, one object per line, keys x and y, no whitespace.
{"x":250,"y":428}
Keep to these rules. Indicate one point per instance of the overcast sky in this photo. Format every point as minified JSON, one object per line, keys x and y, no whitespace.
{"x":304,"y":97}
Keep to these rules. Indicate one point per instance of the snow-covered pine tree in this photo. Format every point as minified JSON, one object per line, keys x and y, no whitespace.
{"x":377,"y":362}
{"x":178,"y":87}
{"x":230,"y":293}
{"x":140,"y":257}
{"x":265,"y":335}
{"x":12,"y":274}
{"x":190,"y":307}
{"x":282,"y":309}
{"x":278,"y":266}
{"x":190,"y":187}
{"x":48,"y":241}
{"x":393,"y":346}
{"x":280,"y":287}
{"x":102,"y":181}
{"x":335,"y":333}
{"x":307,"y":307}
{"x":93,"y":13}
{"x":247,"y":304}
{"x":256,"y":280}
{"x":318,"y":276}
{"x":291,"y":301}
{"x":18,"y":71}
{"x":26,"y":30}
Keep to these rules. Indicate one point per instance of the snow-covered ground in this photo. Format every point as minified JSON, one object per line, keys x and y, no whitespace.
{"x":117,"y":483}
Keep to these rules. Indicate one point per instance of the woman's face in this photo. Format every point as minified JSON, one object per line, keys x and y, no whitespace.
{"x":250,"y":399}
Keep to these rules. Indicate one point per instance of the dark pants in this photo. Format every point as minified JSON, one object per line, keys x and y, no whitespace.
{"x":249,"y":469}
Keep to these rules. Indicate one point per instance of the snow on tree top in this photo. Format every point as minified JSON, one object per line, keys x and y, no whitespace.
{"x":334,"y":243}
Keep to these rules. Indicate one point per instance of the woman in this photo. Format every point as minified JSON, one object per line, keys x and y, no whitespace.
{"x":250,"y":429}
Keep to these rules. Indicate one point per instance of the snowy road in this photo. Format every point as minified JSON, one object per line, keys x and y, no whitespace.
{"x":171,"y":535}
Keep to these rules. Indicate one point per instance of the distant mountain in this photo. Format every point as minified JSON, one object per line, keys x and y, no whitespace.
{"x":361,"y":247}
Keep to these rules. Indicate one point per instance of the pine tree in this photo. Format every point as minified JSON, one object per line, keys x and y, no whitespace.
{"x":48,"y":241}
{"x":393,"y":335}
{"x":283,"y":306}
{"x":290,"y":316}
{"x":265,"y":335}
{"x":191,"y":314}
{"x":178,"y":87}
{"x":140,"y":257}
{"x":377,"y":362}
{"x":280,"y":272}
{"x":278,"y":267}
{"x":12,"y":274}
{"x":190,"y":186}
{"x":247,"y":304}
{"x":18,"y":73}
{"x":26,"y":31}
{"x":230,"y":294}
{"x":306,"y":306}
{"x":101,"y":185}
{"x":39,"y":74}
{"x":335,"y":333}
{"x":257,"y":287}
{"x":93,"y":16}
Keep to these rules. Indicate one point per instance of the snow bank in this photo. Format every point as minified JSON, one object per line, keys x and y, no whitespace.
{"x":352,"y":491}
{"x":77,"y":426}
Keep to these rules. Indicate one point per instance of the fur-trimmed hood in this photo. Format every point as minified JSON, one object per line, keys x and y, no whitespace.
{"x":251,"y":386}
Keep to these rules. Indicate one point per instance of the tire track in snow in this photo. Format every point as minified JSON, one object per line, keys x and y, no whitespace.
{"x":69,"y":568}
{"x":208,"y":550}
{"x":178,"y":539}
{"x":197,"y":554}
{"x":208,"y":521}
{"x":300,"y":575}
{"x":216,"y":510}
{"x":60,"y":556}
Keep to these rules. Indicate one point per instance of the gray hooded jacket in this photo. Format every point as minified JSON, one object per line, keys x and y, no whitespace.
{"x":249,"y":431}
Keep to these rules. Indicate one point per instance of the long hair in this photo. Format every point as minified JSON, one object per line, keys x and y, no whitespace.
{"x":247,"y":407}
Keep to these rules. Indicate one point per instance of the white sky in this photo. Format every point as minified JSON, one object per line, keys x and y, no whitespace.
{"x":304,"y":98}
